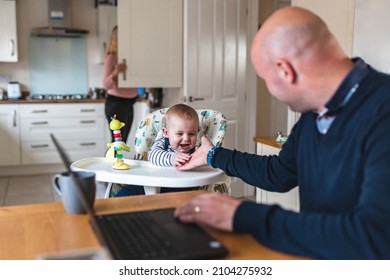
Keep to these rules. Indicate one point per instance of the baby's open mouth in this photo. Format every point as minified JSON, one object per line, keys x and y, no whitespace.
{"x":184,"y":146}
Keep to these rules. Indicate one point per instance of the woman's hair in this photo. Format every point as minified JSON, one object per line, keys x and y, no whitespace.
{"x":112,"y":47}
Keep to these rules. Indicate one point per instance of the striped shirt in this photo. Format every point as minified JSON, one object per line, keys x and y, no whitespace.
{"x":161,"y":153}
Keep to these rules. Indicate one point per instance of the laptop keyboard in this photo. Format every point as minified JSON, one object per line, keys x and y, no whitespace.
{"x":135,"y":237}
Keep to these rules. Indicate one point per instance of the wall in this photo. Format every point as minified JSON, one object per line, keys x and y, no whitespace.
{"x":271,"y":113}
{"x":31,"y":14}
{"x":371,"y":25}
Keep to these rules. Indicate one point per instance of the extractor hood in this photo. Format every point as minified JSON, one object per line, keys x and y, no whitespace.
{"x":58,"y":22}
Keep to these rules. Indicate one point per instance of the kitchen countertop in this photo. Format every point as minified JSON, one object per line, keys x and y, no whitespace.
{"x":268,"y":140}
{"x":50,"y":101}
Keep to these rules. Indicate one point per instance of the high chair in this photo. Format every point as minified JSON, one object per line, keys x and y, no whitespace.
{"x":212,"y":124}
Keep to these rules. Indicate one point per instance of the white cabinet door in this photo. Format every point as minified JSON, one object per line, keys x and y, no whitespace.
{"x":106,"y":20}
{"x":289,"y":200}
{"x":150,"y":40}
{"x":8,"y":38}
{"x":9,"y":135}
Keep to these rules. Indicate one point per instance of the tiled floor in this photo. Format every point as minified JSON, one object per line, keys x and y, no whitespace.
{"x":17,"y":190}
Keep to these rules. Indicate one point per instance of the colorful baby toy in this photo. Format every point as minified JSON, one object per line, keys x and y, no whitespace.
{"x":118,"y":145}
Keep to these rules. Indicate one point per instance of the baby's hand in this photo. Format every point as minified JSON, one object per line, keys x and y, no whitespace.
{"x":181,"y":158}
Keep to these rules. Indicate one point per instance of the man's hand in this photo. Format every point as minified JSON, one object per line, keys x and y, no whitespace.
{"x":199,"y":157}
{"x":212,"y":209}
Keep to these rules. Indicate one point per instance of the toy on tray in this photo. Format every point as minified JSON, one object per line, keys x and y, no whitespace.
{"x":116,"y":148}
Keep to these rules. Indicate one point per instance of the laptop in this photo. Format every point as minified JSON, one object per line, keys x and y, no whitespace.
{"x":150,"y":234}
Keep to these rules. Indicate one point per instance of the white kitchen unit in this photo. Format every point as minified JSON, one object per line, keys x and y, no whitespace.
{"x":80,"y":128}
{"x":151,"y":43}
{"x":9,"y":135}
{"x":106,"y":20}
{"x":290,"y":200}
{"x":8,"y":34}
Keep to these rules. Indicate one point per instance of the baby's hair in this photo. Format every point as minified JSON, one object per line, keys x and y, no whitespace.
{"x":183,"y":111}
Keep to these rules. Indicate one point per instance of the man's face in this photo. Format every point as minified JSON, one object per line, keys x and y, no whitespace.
{"x":182,"y":133}
{"x":277,"y":83}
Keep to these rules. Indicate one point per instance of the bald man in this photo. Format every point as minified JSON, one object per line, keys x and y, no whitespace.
{"x":338,"y":153}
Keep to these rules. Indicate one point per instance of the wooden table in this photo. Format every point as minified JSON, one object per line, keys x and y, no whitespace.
{"x":29,"y":231}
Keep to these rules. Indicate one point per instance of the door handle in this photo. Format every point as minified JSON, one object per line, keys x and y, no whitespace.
{"x":124,"y":73}
{"x":192,"y":99}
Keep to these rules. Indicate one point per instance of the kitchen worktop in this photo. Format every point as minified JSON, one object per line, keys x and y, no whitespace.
{"x":268,"y":140}
{"x":51,"y":101}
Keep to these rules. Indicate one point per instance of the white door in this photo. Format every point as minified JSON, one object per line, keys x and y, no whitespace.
{"x":215,"y":63}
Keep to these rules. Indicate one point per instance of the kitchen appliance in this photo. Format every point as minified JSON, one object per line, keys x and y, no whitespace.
{"x":58,"y":55}
{"x":14,"y":91}
{"x":59,"y":23}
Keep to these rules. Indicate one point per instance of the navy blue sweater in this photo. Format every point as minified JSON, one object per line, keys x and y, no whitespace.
{"x":343,"y":178}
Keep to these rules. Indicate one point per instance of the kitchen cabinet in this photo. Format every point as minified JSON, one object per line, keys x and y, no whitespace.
{"x":9,"y":135}
{"x":268,"y":146}
{"x":150,"y":42}
{"x":8,"y":34}
{"x":106,"y":20}
{"x":80,"y":129}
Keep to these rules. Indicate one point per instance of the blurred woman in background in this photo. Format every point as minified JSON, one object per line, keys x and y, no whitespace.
{"x":119,"y":101}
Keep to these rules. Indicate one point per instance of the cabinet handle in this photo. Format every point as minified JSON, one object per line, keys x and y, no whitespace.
{"x":12,"y":47}
{"x":38,"y":111}
{"x":39,"y":123}
{"x":88,"y":144}
{"x":39,"y":146}
{"x":124,"y":73}
{"x":87,"y":121}
{"x":87,"y":110}
{"x":14,"y":118}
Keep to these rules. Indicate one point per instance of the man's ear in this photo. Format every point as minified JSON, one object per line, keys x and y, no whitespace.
{"x":286,"y":71}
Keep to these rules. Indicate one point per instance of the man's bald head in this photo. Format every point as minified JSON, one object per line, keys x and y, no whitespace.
{"x":290,"y":33}
{"x":292,"y":52}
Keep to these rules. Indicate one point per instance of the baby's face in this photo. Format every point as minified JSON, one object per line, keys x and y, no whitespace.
{"x":182,"y":133}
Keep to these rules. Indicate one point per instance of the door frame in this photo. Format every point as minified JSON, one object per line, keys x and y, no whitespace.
{"x":251,"y":93}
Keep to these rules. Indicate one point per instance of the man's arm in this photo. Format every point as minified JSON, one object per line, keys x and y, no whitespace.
{"x":361,"y":233}
{"x":273,"y":173}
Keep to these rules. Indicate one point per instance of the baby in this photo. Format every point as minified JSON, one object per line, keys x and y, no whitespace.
{"x":176,"y":143}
